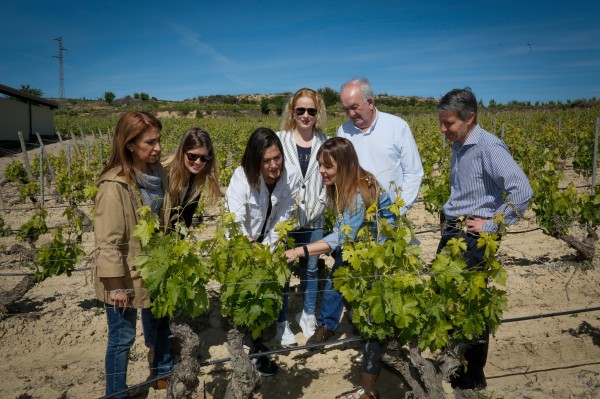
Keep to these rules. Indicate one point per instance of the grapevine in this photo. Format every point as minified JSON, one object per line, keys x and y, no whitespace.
{"x":64,"y":251}
{"x":394,"y":296}
{"x":174,"y":273}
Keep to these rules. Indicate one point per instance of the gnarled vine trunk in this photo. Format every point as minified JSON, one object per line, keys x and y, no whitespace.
{"x":585,"y":248}
{"x":245,"y":376}
{"x":424,"y":376}
{"x":9,"y":297}
{"x":184,"y":381}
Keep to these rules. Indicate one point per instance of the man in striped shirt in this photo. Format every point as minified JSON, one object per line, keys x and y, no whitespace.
{"x":484,"y":180}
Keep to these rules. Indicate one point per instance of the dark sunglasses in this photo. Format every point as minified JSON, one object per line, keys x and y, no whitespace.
{"x":194,"y":157}
{"x":301,"y":111}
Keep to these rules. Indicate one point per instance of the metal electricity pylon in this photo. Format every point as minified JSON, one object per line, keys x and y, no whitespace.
{"x":61,"y":78}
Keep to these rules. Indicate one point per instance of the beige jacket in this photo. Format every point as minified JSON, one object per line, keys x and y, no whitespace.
{"x":115,"y":218}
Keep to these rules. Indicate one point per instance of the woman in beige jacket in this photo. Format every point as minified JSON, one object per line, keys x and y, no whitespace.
{"x":133,"y":177}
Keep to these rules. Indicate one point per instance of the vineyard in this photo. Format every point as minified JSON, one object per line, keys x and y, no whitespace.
{"x":52,"y":334}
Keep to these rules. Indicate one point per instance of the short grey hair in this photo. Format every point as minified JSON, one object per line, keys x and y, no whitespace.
{"x":364,"y":86}
{"x":460,"y":102}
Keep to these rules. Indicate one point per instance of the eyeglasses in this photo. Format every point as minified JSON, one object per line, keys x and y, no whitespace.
{"x":194,"y":157}
{"x":301,"y":111}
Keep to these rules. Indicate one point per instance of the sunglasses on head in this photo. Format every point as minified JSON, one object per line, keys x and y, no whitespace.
{"x":301,"y":111}
{"x":194,"y":157}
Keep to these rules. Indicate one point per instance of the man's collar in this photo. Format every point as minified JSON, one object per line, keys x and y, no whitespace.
{"x":472,"y":138}
{"x":372,"y":126}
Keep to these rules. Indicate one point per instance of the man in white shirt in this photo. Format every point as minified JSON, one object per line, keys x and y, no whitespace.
{"x":384,"y":142}
{"x":385,"y":147}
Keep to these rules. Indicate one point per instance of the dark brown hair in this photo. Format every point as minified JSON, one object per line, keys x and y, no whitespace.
{"x":261,"y":139}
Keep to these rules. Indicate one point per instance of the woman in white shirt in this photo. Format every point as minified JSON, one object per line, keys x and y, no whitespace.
{"x":261,"y":193}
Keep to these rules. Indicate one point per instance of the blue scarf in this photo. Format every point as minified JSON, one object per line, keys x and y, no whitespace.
{"x":151,"y":190}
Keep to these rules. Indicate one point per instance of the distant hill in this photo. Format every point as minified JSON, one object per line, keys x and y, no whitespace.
{"x":264,"y":104}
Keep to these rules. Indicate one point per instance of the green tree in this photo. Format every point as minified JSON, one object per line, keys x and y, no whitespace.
{"x":30,"y":90}
{"x":330,"y":96}
{"x":279,"y":103}
{"x":144,"y":96}
{"x":109,"y":97}
{"x":264,"y":106}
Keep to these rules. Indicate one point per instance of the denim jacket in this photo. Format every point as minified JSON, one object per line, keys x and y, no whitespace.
{"x":356,"y":220}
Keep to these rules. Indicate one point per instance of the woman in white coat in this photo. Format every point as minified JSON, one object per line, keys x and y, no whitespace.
{"x":262,"y":193}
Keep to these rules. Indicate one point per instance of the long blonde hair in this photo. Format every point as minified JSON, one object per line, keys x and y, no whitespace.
{"x":350,"y":176}
{"x":179,"y":176}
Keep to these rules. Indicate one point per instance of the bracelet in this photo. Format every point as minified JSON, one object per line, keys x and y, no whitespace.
{"x":125,"y":291}
{"x":305,"y":248}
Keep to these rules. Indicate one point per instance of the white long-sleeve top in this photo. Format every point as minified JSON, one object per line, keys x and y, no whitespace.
{"x":250,"y":206}
{"x":389,"y":151}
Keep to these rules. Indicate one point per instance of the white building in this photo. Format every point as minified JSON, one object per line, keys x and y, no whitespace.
{"x":20,"y":111}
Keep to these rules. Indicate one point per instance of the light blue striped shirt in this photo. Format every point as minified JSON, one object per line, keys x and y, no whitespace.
{"x":485,"y":180}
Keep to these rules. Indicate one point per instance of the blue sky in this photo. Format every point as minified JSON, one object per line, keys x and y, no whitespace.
{"x":504,"y":50}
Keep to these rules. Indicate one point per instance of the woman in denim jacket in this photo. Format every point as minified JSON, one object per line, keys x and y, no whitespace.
{"x":351,"y":190}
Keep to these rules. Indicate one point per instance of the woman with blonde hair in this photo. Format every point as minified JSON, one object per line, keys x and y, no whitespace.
{"x":351,"y":190}
{"x":192,"y":170}
{"x":132,"y":178}
{"x":301,"y":136}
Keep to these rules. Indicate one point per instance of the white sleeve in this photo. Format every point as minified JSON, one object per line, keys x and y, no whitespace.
{"x":286,"y":206}
{"x":237,"y":197}
{"x":412,"y":168}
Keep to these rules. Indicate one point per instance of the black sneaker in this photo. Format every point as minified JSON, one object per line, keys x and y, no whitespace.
{"x":475,"y":381}
{"x":264,"y":365}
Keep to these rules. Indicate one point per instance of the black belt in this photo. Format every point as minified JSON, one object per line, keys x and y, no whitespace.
{"x":456,"y":225}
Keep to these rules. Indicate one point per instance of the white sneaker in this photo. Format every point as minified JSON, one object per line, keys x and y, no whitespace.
{"x":285,"y":336}
{"x":307,"y":322}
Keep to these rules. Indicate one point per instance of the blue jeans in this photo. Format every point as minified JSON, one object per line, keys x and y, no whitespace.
{"x":156,"y":334}
{"x":121,"y":335}
{"x":332,"y":302}
{"x":308,"y":273}
{"x":284,"y":307}
{"x":309,"y":283}
{"x":372,"y":357}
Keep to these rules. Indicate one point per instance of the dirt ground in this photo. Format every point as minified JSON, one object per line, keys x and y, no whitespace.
{"x":54,"y":338}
